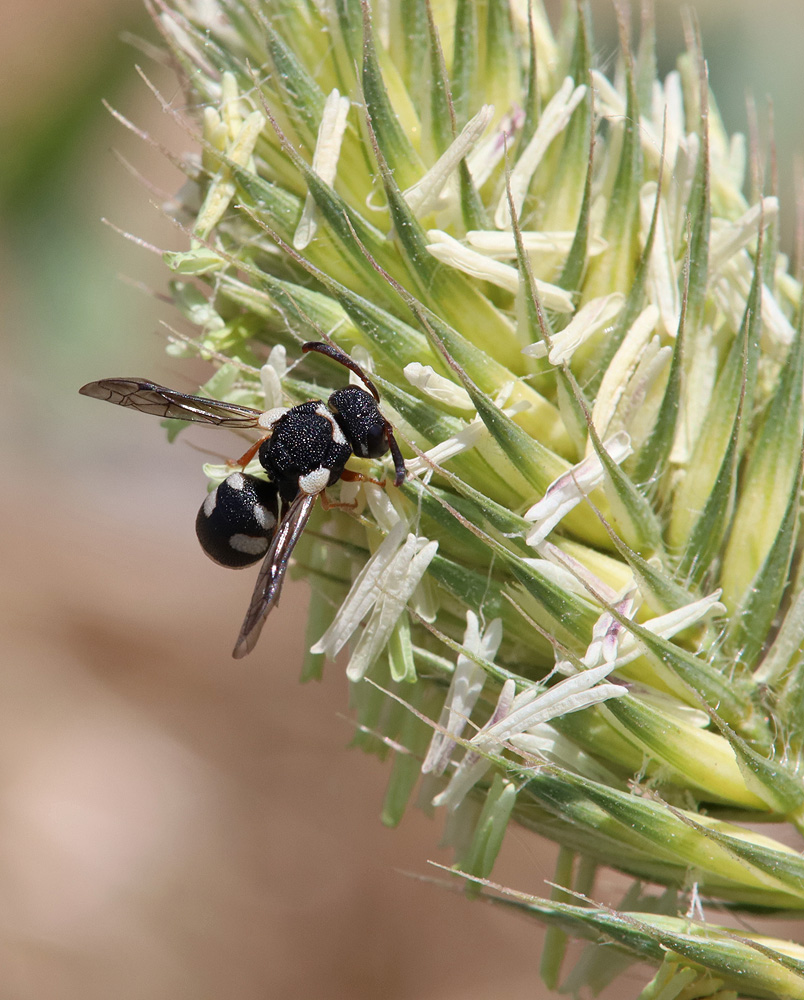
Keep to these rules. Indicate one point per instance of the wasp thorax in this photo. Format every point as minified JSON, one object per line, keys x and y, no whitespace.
{"x":237,"y":520}
{"x":307,"y":450}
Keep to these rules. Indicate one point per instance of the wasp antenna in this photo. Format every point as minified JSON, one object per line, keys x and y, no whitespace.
{"x":338,"y":355}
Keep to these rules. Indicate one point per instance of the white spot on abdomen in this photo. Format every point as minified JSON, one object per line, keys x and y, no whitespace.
{"x":251,"y":545}
{"x":264,"y":517}
{"x":210,"y":501}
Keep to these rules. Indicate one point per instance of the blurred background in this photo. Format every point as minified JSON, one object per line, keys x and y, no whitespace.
{"x":174,"y":823}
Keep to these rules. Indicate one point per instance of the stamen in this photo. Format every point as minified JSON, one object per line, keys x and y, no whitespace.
{"x":554,"y":119}
{"x":569,"y":489}
{"x":325,"y":161}
{"x":477,"y":265}
{"x":590,"y":319}
{"x":425,"y":196}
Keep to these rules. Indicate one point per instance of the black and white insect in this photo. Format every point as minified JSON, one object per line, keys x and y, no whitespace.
{"x":303,"y":450}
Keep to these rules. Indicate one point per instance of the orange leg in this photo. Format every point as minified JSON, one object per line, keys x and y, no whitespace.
{"x":244,"y":459}
{"x":348,"y":476}
{"x":328,"y":504}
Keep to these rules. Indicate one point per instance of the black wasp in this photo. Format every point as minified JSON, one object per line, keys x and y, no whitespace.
{"x":303,"y":450}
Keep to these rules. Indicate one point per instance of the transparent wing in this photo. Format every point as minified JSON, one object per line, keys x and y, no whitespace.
{"x":272,"y":573}
{"x":158,"y":400}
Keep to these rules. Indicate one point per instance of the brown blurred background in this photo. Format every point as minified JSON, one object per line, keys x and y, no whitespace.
{"x":173,"y":823}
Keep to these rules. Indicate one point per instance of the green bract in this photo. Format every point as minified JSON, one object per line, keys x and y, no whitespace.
{"x":583,"y":611}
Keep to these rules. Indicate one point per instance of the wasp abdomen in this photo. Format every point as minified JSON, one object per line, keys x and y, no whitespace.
{"x":237,"y":520}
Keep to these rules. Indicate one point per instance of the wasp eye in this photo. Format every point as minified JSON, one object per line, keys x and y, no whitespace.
{"x":237,"y":520}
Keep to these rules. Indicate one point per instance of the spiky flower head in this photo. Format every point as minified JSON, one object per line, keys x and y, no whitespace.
{"x":583,"y":610}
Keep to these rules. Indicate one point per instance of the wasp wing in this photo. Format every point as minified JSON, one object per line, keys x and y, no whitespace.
{"x":272,"y":573}
{"x":158,"y":400}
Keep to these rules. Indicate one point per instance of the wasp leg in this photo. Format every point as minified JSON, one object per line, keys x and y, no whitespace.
{"x":328,"y":504}
{"x":350,"y":476}
{"x":247,"y":456}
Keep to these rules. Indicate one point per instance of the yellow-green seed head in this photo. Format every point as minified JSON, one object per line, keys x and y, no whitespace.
{"x":583,"y":610}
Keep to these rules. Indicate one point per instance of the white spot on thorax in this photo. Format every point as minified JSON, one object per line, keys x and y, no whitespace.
{"x":315,"y":481}
{"x":337,"y":434}
{"x":236,"y":481}
{"x":267,"y":419}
